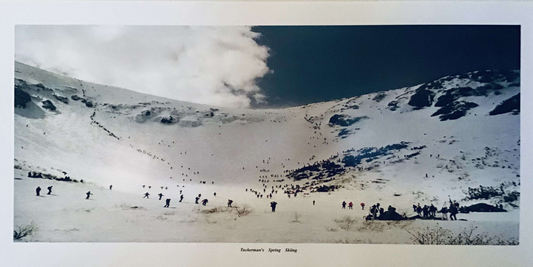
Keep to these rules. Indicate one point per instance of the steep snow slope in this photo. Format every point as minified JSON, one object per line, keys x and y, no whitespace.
{"x":425,"y":143}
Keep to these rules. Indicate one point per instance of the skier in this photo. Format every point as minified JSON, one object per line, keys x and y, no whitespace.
{"x":110,"y":187}
{"x":88,"y":194}
{"x":344,"y":204}
{"x":229,"y":202}
{"x":49,"y":190}
{"x":160,"y":196}
{"x":362,"y":206}
{"x":181,"y":198}
{"x":167,"y":203}
{"x":38,"y":190}
{"x":313,"y":202}
{"x":196,"y":200}
{"x":146,"y":195}
{"x":350,"y":205}
{"x":204,"y":202}
{"x":273,"y":205}
{"x":215,"y":194}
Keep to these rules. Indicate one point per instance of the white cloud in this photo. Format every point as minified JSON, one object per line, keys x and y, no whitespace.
{"x":210,"y":65}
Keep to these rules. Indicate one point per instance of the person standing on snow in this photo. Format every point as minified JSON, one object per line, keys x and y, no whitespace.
{"x":38,"y":190}
{"x":181,"y":198}
{"x":196,"y":200}
{"x":273,"y":205}
{"x":204,"y":202}
{"x":88,"y":195}
{"x":160,"y":196}
{"x":167,"y":203}
{"x":49,"y":190}
{"x":350,"y":205}
{"x":362,"y":206}
{"x":229,"y":202}
{"x":146,"y":195}
{"x":344,"y":204}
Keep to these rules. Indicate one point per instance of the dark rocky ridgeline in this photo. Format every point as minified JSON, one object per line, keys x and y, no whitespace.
{"x":353,"y":158}
{"x":344,"y":120}
{"x":454,"y":110}
{"x":75,"y":97}
{"x":509,"y":105}
{"x":47,"y":104}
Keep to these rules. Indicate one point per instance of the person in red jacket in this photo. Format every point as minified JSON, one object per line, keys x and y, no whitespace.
{"x":363,"y":206}
{"x":350,"y":205}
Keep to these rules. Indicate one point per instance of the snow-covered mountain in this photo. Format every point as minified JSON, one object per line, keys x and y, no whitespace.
{"x":426,"y":143}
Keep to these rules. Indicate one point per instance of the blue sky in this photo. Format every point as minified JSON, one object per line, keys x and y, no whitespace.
{"x":318,"y":63}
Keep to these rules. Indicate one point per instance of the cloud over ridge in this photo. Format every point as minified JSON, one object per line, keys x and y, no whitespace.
{"x":208,"y":65}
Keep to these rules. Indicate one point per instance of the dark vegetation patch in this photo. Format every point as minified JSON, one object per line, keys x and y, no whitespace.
{"x":379,"y":97}
{"x":87,"y":103}
{"x":489,"y":192}
{"x":422,"y":98}
{"x":51,"y":177}
{"x":318,"y":170}
{"x":344,"y":120}
{"x":327,"y":188}
{"x":168,"y":120}
{"x":47,"y":104}
{"x":370,"y":153}
{"x":393,"y":105}
{"x":454,"y":110}
{"x":510,"y":105}
{"x":481,"y":207}
{"x":344,"y":133}
{"x":61,"y":98}
{"x":21,"y":97}
{"x":75,"y":97}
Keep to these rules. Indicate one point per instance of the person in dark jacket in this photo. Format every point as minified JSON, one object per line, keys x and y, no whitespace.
{"x":196,"y":200}
{"x":38,"y":190}
{"x":167,"y":203}
{"x":229,"y":202}
{"x":146,"y":195}
{"x":453,"y":212}
{"x":160,"y":196}
{"x":49,"y":190}
{"x":88,"y":195}
{"x":344,"y":204}
{"x":273,"y":205}
{"x":181,"y":198}
{"x":204,"y":202}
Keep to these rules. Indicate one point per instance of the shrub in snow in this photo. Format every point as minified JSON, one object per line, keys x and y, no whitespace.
{"x":23,"y":231}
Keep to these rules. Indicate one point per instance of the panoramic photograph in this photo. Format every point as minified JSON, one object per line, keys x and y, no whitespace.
{"x":392,"y":134}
